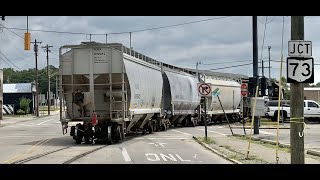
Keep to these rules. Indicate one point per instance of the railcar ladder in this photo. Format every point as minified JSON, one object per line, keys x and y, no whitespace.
{"x":123,"y":111}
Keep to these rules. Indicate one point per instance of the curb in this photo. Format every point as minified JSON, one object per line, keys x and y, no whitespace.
{"x":215,"y":151}
{"x":267,"y":141}
{"x":313,"y":152}
{"x":261,"y":127}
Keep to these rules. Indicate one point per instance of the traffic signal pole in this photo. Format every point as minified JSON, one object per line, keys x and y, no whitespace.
{"x":255,"y":65}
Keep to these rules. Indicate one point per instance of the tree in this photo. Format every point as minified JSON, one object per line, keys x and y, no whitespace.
{"x":24,"y":105}
{"x":28,"y":76}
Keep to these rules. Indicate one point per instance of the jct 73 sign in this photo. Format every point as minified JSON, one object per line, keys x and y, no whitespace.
{"x":300,"y":70}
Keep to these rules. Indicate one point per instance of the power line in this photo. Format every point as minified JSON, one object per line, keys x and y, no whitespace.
{"x":53,"y":53}
{"x":260,"y":20}
{"x":181,"y":24}
{"x":5,"y":61}
{"x":231,"y":66}
{"x":9,"y":60}
{"x":271,"y":19}
{"x":226,"y":62}
{"x":125,"y":32}
{"x":264,"y":35}
{"x":11,"y":31}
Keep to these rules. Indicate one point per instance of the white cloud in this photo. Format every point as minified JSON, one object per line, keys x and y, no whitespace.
{"x":228,"y":39}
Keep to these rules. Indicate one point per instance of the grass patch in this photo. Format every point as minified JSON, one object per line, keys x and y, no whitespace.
{"x":264,"y":144}
{"x":207,"y":141}
{"x":45,"y":108}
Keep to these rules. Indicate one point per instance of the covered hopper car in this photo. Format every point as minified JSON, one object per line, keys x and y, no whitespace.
{"x":109,"y":91}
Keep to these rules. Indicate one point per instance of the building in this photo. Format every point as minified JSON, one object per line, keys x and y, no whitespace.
{"x":312,"y":93}
{"x":12,"y":94}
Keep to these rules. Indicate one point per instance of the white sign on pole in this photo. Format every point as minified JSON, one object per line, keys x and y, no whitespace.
{"x":298,"y":48}
{"x":300,"y":70}
{"x":204,"y":89}
{"x":260,"y":106}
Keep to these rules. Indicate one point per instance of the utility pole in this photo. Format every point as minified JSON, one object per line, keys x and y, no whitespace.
{"x":269,"y":47}
{"x":46,"y":48}
{"x":255,"y":65}
{"x":197,"y":70}
{"x":262,"y":68}
{"x":37,"y":84}
{"x":297,"y":107}
{"x":130,"y":42}
{"x":56,"y":97}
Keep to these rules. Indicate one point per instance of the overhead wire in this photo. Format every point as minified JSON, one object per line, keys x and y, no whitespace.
{"x":271,"y":19}
{"x":264,"y":35}
{"x":9,"y":60}
{"x":279,"y":96}
{"x":124,"y":32}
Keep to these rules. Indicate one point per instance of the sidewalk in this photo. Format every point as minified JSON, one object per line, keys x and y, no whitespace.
{"x":9,"y":120}
{"x":235,"y":149}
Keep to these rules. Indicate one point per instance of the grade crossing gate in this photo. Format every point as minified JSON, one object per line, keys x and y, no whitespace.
{"x":8,"y":109}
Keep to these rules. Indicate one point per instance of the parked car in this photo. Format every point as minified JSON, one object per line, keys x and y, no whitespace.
{"x":311,"y":109}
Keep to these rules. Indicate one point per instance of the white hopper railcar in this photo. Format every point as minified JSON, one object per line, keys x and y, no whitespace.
{"x":109,"y":90}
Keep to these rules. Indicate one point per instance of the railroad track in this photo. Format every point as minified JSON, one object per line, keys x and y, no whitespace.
{"x":69,"y":161}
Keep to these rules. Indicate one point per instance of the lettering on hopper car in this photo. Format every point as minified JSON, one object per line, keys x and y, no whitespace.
{"x":99,"y":56}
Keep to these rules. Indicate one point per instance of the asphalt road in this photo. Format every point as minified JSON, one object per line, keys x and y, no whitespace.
{"x":311,"y":133}
{"x":37,"y":137}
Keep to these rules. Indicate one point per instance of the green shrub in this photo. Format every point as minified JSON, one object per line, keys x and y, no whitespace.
{"x":21,"y":112}
{"x":24,"y":104}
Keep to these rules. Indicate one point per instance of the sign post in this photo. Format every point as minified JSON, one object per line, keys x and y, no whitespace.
{"x":216,"y":93}
{"x":204,"y":90}
{"x":300,"y":69}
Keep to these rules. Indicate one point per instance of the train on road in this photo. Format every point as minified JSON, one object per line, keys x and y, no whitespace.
{"x":108,"y":91}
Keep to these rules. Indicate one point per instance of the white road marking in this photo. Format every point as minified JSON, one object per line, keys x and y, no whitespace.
{"x":162,"y":144}
{"x":154,"y":144}
{"x":181,"y":132}
{"x":125,"y":155}
{"x":45,"y":121}
{"x":164,"y":138}
{"x":265,"y":132}
{"x":219,"y":127}
{"x":195,"y":156}
{"x":213,"y":132}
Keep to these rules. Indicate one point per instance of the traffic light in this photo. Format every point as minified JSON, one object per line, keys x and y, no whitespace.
{"x":27,"y":41}
{"x":252,"y":84}
{"x":275,"y":90}
{"x":263,"y":86}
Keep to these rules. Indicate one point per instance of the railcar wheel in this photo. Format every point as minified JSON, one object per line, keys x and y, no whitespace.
{"x":109,"y":135}
{"x":78,"y":135}
{"x":150,"y":128}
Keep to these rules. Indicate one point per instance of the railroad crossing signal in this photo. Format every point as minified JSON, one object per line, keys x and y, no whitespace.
{"x":300,"y":64}
{"x":204,"y":89}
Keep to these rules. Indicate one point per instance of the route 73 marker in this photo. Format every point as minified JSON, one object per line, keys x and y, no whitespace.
{"x":300,"y":64}
{"x":300,"y":70}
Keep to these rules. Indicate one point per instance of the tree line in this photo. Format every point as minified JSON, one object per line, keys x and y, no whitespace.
{"x":27,"y":76}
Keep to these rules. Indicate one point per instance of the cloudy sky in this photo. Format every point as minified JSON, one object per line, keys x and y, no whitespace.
{"x":217,"y":43}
